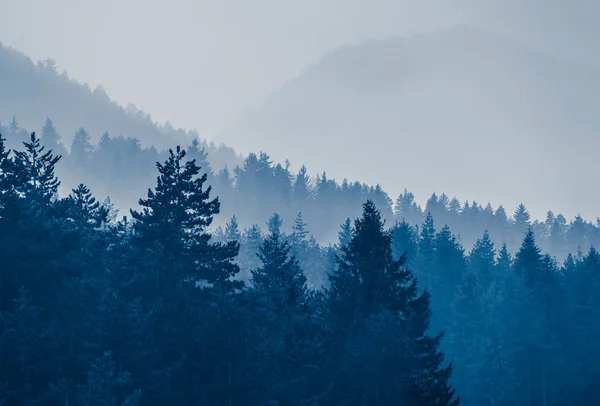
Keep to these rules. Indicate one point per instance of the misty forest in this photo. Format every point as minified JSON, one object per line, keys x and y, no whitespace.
{"x":142,"y":264}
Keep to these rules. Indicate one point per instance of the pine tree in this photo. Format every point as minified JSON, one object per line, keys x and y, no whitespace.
{"x":407,"y":209}
{"x":7,"y":178}
{"x":51,"y":139}
{"x":345,"y":233}
{"x":528,"y":260}
{"x":37,"y":170}
{"x":370,"y":290}
{"x":81,"y":147}
{"x":521,"y":219}
{"x":302,"y":187}
{"x":274,"y":224}
{"x":404,"y":241}
{"x":252,"y":240}
{"x":111,"y":211}
{"x":232,"y":230}
{"x":427,"y":240}
{"x":280,"y":277}
{"x":176,"y":215}
{"x":482,"y":260}
{"x":198,"y":153}
{"x":299,"y":234}
{"x":84,"y":207}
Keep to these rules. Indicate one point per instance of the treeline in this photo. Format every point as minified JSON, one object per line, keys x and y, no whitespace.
{"x":255,"y":188}
{"x":95,"y":311}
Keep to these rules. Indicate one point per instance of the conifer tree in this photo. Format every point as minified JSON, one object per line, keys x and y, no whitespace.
{"x":280,"y":277}
{"x":51,"y":139}
{"x":250,"y":244}
{"x":232,"y":230}
{"x":274,"y":224}
{"x":84,"y":206}
{"x":198,"y":153}
{"x":369,"y":290}
{"x":176,"y":215}
{"x":81,"y":147}
{"x":404,"y":241}
{"x":37,"y":170}
{"x":482,"y":260}
{"x":345,"y":233}
{"x":302,"y":187}
{"x":111,"y":212}
{"x":299,"y":234}
{"x":521,"y":219}
{"x":7,"y":177}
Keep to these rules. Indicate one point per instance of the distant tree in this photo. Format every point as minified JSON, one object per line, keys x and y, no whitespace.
{"x":302,"y":187}
{"x":299,"y":234}
{"x":482,"y":260}
{"x":407,"y":209}
{"x":404,"y":241}
{"x":345,"y":233}
{"x":51,"y":139}
{"x":274,"y":224}
{"x":198,"y":152}
{"x":521,"y":219}
{"x":81,"y":148}
{"x":232,"y":230}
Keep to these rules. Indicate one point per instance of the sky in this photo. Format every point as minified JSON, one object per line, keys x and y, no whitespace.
{"x":201,"y":63}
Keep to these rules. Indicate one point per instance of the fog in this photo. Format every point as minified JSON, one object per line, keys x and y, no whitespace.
{"x":199,"y":64}
{"x":310,"y":203}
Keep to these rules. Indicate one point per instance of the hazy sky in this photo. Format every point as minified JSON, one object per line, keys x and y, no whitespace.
{"x":200,"y":63}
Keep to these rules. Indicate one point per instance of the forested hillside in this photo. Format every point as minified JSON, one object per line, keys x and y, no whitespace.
{"x":155,"y":309}
{"x":34,"y":92}
{"x":121,"y":169}
{"x":460,"y":108}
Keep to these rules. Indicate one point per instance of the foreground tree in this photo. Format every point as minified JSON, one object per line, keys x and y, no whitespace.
{"x":174,"y":220}
{"x":385,"y":355}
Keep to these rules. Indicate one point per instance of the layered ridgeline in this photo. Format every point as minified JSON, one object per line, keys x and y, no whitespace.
{"x":34,"y":92}
{"x":256,"y":187}
{"x":121,"y":169}
{"x":460,"y":109}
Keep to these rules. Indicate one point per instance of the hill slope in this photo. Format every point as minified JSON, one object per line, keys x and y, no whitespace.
{"x":458,"y":110}
{"x":33,"y":92}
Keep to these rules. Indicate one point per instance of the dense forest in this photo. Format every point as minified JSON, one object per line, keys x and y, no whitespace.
{"x":162,"y":307}
{"x":256,"y":187}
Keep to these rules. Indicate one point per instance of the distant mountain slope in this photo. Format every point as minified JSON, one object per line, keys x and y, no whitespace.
{"x":459,"y":110}
{"x":33,"y":92}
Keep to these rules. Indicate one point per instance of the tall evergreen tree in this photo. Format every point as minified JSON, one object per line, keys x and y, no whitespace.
{"x":232,"y":230}
{"x":175,"y":216}
{"x":84,"y":207}
{"x":274,"y":224}
{"x":81,"y":147}
{"x":299,"y":234}
{"x":37,"y":169}
{"x":370,"y":290}
{"x":404,"y":241}
{"x":51,"y":139}
{"x":345,"y":233}
{"x":482,"y":260}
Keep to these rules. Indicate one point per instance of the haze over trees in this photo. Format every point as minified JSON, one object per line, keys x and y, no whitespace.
{"x":169,"y":313}
{"x":141,"y":264}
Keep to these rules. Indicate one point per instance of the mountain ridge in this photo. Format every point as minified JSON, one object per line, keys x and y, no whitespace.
{"x":460,"y":89}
